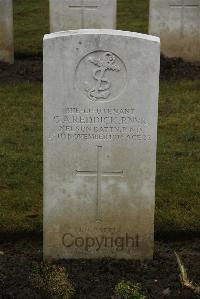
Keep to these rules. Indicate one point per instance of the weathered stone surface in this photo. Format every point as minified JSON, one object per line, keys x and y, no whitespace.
{"x":82,"y":14}
{"x":6,"y":31}
{"x":177,"y":23}
{"x":100,"y":132}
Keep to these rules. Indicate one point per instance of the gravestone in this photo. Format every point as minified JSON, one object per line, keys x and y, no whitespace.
{"x":100,"y":131}
{"x":82,"y":14}
{"x":177,"y":23}
{"x":6,"y":31}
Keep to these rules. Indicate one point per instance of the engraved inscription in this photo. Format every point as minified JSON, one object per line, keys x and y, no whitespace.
{"x":103,"y":85}
{"x":100,"y":124}
{"x":183,"y":6}
{"x":101,"y":76}
{"x":99,"y":173}
{"x":82,"y":6}
{"x":184,"y":3}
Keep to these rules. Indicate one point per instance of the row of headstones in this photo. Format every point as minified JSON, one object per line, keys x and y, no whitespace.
{"x":176,"y":22}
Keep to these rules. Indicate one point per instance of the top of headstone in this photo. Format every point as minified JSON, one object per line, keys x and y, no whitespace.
{"x":103,"y":32}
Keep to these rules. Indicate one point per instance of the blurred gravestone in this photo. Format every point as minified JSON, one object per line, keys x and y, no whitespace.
{"x":100,"y":132}
{"x":6,"y":31}
{"x":77,"y":14}
{"x":177,"y":23}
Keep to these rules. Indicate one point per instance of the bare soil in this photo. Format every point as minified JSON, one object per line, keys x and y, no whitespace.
{"x":24,"y":70}
{"x":96,"y":279}
{"x":29,"y":69}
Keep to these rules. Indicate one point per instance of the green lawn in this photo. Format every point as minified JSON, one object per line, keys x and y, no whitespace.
{"x":31,"y":22}
{"x":21,"y":157}
{"x":178,"y":158}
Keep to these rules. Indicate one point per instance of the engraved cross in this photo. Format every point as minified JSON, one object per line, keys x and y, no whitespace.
{"x":99,"y":173}
{"x":82,"y":6}
{"x":184,"y":4}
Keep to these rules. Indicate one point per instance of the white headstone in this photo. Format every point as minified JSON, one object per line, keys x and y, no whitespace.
{"x":82,"y":14}
{"x":6,"y":31}
{"x":177,"y":23}
{"x":100,"y":132}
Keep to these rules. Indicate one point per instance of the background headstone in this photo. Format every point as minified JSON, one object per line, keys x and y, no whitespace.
{"x":6,"y":31}
{"x":100,"y":132}
{"x":82,"y":14}
{"x":177,"y":23}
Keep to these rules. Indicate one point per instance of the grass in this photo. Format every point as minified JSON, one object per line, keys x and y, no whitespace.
{"x":178,"y":166}
{"x":133,"y":15}
{"x":31,"y":22}
{"x":128,"y":290}
{"x":184,"y":279}
{"x":21,"y":158}
{"x":51,"y":281}
{"x":178,"y":159}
